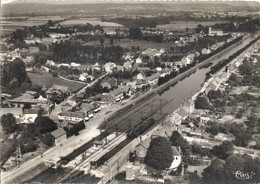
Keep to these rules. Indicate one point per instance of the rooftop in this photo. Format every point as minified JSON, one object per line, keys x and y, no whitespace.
{"x":175,"y":152}
{"x":72,"y":114}
{"x":63,"y":89}
{"x":14,"y":111}
{"x":58,"y":133}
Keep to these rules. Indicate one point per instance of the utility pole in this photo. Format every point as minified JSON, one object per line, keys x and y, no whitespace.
{"x":141,"y":115}
{"x":152,"y":110}
{"x":106,"y":130}
{"x":130,"y":123}
{"x":161,"y":106}
{"x":18,"y":155}
{"x":116,"y":130}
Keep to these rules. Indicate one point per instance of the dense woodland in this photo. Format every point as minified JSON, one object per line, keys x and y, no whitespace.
{"x":67,"y":52}
{"x":14,"y":77}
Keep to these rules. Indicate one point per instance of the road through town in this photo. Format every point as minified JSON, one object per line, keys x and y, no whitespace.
{"x":54,"y":154}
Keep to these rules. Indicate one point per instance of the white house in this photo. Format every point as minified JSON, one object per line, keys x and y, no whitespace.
{"x":74,"y":64}
{"x":140,"y":76}
{"x":50,"y":63}
{"x":59,"y":135}
{"x":138,"y":60}
{"x":83,"y":77}
{"x":158,"y":69}
{"x":176,"y":159}
{"x":217,"y":32}
{"x":205,"y":51}
{"x":109,"y":67}
{"x":71,"y":116}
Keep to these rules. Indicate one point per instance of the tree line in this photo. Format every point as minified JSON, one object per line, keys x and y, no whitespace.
{"x":67,"y":52}
{"x":14,"y":78}
{"x":223,"y":63}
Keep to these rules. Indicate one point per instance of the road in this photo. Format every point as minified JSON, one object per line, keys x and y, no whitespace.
{"x":91,"y":84}
{"x":56,"y":152}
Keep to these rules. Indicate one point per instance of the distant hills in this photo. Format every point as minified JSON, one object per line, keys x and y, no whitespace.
{"x":129,"y":7}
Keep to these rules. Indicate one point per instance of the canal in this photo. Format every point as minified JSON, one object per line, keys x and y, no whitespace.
{"x":181,"y":91}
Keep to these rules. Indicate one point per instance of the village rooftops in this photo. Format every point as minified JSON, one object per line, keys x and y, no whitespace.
{"x":111,"y":82}
{"x":175,"y":117}
{"x":63,"y":89}
{"x":87,"y":107}
{"x":15,"y":111}
{"x":116,"y":92}
{"x":175,"y":152}
{"x":30,"y":111}
{"x":58,"y":133}
{"x":27,"y":98}
{"x":182,"y":112}
{"x":72,"y":114}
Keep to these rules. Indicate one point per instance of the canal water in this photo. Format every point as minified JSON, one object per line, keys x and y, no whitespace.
{"x":181,"y":91}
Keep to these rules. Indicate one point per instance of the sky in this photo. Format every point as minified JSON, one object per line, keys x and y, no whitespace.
{"x":94,"y":1}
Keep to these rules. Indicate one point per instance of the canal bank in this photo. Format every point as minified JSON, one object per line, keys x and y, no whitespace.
{"x":187,"y":87}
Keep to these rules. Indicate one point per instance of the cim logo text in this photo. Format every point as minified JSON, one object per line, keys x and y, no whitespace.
{"x":243,"y":175}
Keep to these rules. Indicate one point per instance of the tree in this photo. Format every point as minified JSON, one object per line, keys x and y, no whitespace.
{"x":27,"y":142}
{"x":111,"y":41}
{"x":178,"y":140}
{"x":47,"y":139}
{"x":101,"y":41}
{"x":215,"y":173}
{"x":50,"y":23}
{"x":13,"y":70}
{"x":246,"y":69}
{"x":212,"y":94}
{"x":44,"y":124}
{"x":224,"y":150}
{"x":159,"y":153}
{"x":8,"y":123}
{"x":202,"y":103}
{"x":13,"y":75}
{"x":74,"y":130}
{"x":135,"y":33}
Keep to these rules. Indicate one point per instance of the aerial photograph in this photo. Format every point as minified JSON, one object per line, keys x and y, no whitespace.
{"x":129,"y":92}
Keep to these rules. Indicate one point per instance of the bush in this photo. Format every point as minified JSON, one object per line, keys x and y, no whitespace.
{"x":224,"y":150}
{"x":75,"y":129}
{"x":159,"y":153}
{"x":47,"y":139}
{"x":202,"y":103}
{"x":44,"y":124}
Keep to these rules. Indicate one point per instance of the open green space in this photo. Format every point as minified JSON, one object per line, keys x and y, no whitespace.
{"x":182,"y":25}
{"x":48,"y":80}
{"x":126,"y":43}
{"x":93,"y":21}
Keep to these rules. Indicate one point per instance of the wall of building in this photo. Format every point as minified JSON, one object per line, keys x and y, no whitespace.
{"x":60,"y":139}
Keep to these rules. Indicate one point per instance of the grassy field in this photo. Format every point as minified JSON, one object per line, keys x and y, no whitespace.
{"x":126,"y":43}
{"x":93,"y":21}
{"x":8,"y":26}
{"x":182,"y":25}
{"x":48,"y":80}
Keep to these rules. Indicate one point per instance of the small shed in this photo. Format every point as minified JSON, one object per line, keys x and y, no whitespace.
{"x":59,"y":135}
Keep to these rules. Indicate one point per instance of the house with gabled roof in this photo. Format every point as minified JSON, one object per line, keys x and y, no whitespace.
{"x":128,"y":66}
{"x":58,"y":88}
{"x":59,"y":135}
{"x":72,"y":116}
{"x":109,"y":83}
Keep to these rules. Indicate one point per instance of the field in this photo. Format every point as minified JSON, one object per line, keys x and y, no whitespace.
{"x":182,"y":25}
{"x":9,"y":25}
{"x":93,"y":21}
{"x":126,"y":43}
{"x":48,"y":80}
